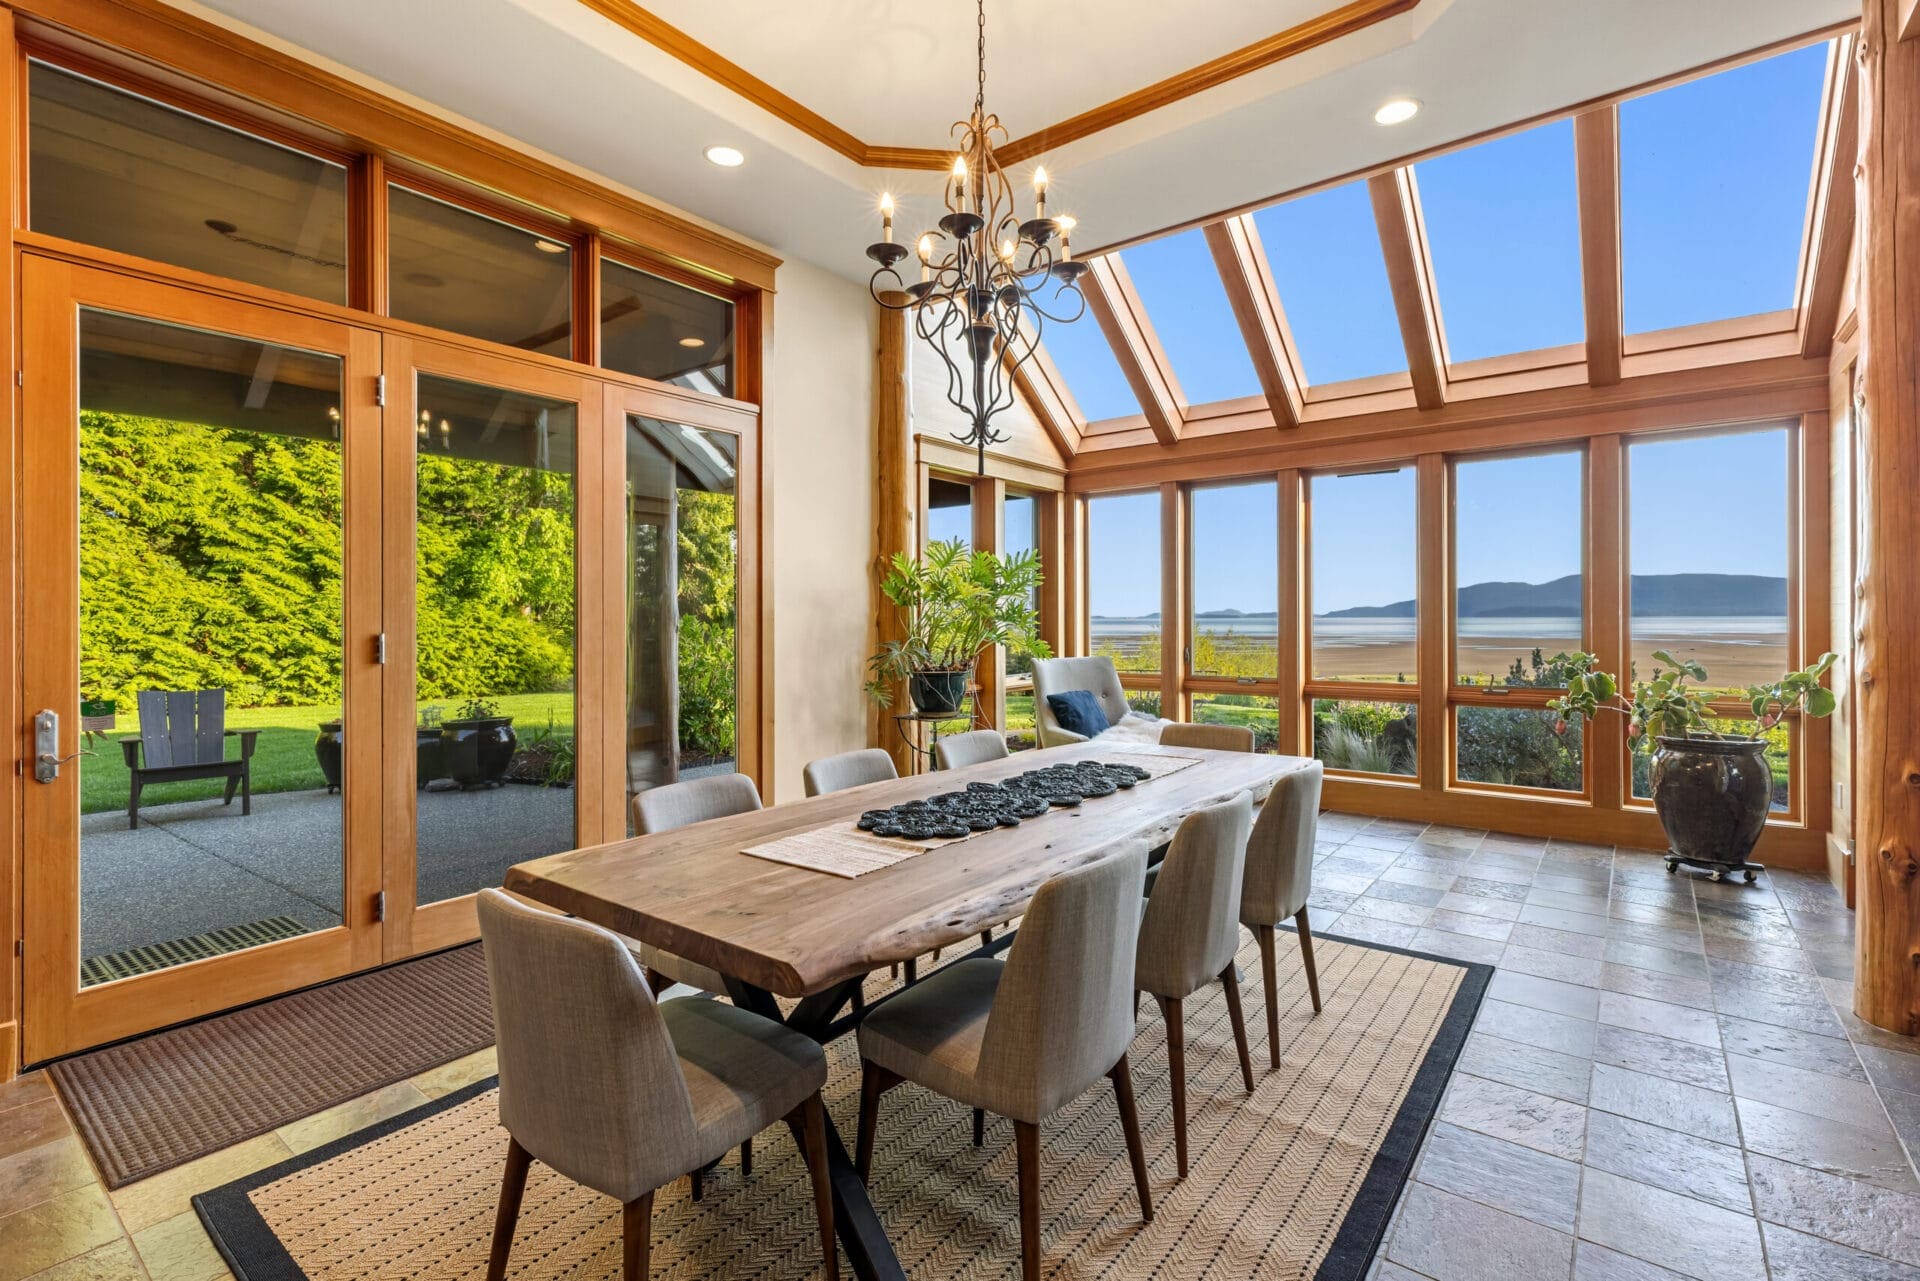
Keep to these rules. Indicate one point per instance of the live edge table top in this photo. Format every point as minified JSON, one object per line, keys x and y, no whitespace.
{"x":795,"y":932}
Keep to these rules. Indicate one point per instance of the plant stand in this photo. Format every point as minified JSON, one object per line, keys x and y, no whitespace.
{"x":1715,"y":871}
{"x":907,"y":722}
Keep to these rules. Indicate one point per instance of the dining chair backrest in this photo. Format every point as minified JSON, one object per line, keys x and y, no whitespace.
{"x":1063,"y":1011}
{"x":848,"y":769}
{"x":1191,"y":927}
{"x":957,"y":751}
{"x":1280,"y":852}
{"x":1213,"y":738}
{"x":661,"y":809}
{"x":590,"y":1083}
{"x":1059,"y":675}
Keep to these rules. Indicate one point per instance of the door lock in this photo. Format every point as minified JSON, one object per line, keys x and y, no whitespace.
{"x":46,"y":747}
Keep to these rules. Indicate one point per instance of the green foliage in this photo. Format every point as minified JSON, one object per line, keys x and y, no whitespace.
{"x":954,"y":604}
{"x":476,"y":709}
{"x":1673,"y":704}
{"x":707,"y":698}
{"x":1375,"y":738}
{"x":1346,"y":748}
{"x":546,"y":755}
{"x":708,"y":600}
{"x":1517,"y":747}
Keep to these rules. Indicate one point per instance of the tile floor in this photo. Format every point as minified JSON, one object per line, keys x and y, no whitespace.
{"x":1664,"y":1081}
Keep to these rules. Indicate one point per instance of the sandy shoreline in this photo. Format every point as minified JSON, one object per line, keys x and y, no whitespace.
{"x":1730,"y":661}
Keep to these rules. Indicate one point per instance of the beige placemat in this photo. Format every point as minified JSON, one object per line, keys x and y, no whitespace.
{"x":842,"y":849}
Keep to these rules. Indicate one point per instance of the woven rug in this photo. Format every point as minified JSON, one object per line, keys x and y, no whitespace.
{"x":1297,"y":1181}
{"x":150,"y":1104}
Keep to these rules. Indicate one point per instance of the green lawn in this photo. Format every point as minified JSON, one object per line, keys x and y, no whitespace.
{"x":283,"y":759}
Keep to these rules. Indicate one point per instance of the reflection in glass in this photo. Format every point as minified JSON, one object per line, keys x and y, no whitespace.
{"x":125,"y":173}
{"x":1020,"y":532}
{"x":1517,"y":747}
{"x":1187,"y":305}
{"x":1236,"y":580}
{"x":1518,"y":562}
{"x":461,"y":271}
{"x":1364,"y":575}
{"x":1123,"y":580}
{"x":494,"y":601}
{"x":210,"y":570}
{"x":683,"y":557}
{"x":949,"y":511}
{"x":1367,"y":738}
{"x":1257,"y":712}
{"x":654,"y":328}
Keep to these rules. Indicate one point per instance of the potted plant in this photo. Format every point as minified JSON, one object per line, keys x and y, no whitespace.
{"x":477,"y":744}
{"x":953,"y":604}
{"x":1712,"y":790}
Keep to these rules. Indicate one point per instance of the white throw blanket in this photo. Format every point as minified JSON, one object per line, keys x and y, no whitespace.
{"x":1133,"y":728}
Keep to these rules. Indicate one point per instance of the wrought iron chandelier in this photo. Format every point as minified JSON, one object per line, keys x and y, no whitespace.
{"x":977,"y":302}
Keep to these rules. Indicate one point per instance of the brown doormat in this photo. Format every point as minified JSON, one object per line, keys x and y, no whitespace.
{"x":1297,"y":1181}
{"x":148,"y":1105}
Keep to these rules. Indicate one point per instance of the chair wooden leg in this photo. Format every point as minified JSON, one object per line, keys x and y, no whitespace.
{"x":813,"y":1125}
{"x":1122,"y":1078}
{"x":657,"y":982}
{"x":746,"y":1159}
{"x":1231,"y":982}
{"x":1269,"y":975}
{"x":874,"y":1081}
{"x":1306,"y":957}
{"x":986,"y":936}
{"x":1026,"y":1140}
{"x":979,"y":1127}
{"x":699,"y":1181}
{"x":513,"y":1182}
{"x":913,"y":971}
{"x":636,"y":1237}
{"x":1177,"y":1073}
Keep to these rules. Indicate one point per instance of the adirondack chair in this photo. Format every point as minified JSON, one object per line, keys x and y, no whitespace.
{"x":183,"y":735}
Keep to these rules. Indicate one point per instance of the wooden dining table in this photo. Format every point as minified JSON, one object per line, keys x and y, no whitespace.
{"x":777,"y":930}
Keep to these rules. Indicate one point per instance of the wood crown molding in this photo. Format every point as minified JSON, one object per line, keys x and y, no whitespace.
{"x":1345,"y":20}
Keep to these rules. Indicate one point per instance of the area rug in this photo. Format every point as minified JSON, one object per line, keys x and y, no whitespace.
{"x":1297,"y":1181}
{"x":150,"y":1104}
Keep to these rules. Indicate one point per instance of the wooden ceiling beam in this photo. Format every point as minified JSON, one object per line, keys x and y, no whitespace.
{"x":1403,"y":243}
{"x":1596,"y":154}
{"x":1248,"y":278}
{"x":1114,"y":303}
{"x":1831,"y":229}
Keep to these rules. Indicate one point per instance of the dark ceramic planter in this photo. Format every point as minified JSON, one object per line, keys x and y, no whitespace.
{"x":329,"y":748}
{"x":1713,"y":798}
{"x":939,"y":693}
{"x":476,"y":753}
{"x":426,"y":754}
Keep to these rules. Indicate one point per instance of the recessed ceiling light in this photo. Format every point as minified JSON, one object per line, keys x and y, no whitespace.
{"x":1396,"y":111}
{"x":691,"y":341}
{"x":546,"y":246}
{"x":726,"y":157}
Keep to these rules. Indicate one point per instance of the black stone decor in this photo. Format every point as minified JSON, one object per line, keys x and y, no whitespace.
{"x":984,"y":806}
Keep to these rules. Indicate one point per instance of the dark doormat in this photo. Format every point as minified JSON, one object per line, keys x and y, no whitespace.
{"x":150,"y":1104}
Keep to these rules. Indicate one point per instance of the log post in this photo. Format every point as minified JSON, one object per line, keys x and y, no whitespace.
{"x":893,"y":509}
{"x":1886,"y":683}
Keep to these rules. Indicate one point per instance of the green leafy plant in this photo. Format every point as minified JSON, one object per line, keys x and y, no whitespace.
{"x":1673,"y":704}
{"x":953,"y":604}
{"x":547,"y":756}
{"x":476,"y":709}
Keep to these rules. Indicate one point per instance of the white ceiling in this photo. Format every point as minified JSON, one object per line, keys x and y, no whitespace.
{"x":558,"y":76}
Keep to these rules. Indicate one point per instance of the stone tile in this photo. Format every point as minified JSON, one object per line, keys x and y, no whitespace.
{"x":1343,"y":864}
{"x":1671,"y":914}
{"x":1668,"y":1159}
{"x":1832,"y":958}
{"x":38,"y":1173}
{"x":1503,"y":1175}
{"x":1348,"y":882}
{"x":1844,"y":1210}
{"x":1891,"y":1069}
{"x":336,"y":1122}
{"x":1494,"y":909}
{"x":1537,"y":1027}
{"x":1780,"y":958}
{"x":1793,"y":1048}
{"x":1795,"y":1256}
{"x":1480,"y":887}
{"x":1660,"y":1018}
{"x":1706,"y":1114}
{"x":1661,"y":1056}
{"x":1821,"y":924}
{"x":1778,"y":934}
{"x":1629,"y":980}
{"x":1807,"y":1013}
{"x":114,"y":1261}
{"x":1646,"y":956}
{"x":178,"y":1249}
{"x":1677,"y":1232}
{"x":1582,"y":970}
{"x":1460,"y":947}
{"x":1597,"y":1263}
{"x":55,"y":1230}
{"x":1521,"y":988}
{"x":1421,"y":875}
{"x":1903,"y":1110}
{"x":1367,"y":929}
{"x":1481,"y":869}
{"x":1560,"y":919}
{"x":1871,"y":1154}
{"x":1424,"y":896}
{"x":1485,"y":927}
{"x":1542,"y":938}
{"x":444,"y":1080}
{"x":32,"y":1124}
{"x":1330,"y":900}
{"x":1545,"y":1071}
{"x":1670,"y":937}
{"x":1508,"y":1112}
{"x":1586,"y":904}
{"x":1452,"y":1238}
{"x":29,"y":1087}
{"x":1382,"y":909}
{"x":150,"y":1201}
{"x":1507,"y":859}
{"x":1847,"y":1102}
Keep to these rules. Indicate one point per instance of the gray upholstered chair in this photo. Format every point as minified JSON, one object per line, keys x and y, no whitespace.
{"x":1024,"y":1036}
{"x":848,"y":769}
{"x":1278,"y":880}
{"x":1057,"y":676}
{"x":1189,"y":933}
{"x":664,"y":808}
{"x":1214,"y":738}
{"x":625,"y":1095}
{"x":957,"y":751}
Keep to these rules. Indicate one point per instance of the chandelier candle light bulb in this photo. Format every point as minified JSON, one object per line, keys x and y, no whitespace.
{"x":1040,"y":191}
{"x":886,"y":217}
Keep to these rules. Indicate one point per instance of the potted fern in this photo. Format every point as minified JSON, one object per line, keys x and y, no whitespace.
{"x":1712,"y":790}
{"x":953,"y":604}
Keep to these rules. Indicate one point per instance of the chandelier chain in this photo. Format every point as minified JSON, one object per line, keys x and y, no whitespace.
{"x":980,"y":57}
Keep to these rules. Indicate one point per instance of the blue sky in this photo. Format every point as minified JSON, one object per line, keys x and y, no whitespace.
{"x":1714,"y":182}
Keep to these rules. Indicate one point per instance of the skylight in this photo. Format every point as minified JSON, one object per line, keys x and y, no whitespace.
{"x":1714,"y":179}
{"x":1503,"y":228}
{"x":1324,"y":251}
{"x":1188,"y":308}
{"x":1081,"y":353}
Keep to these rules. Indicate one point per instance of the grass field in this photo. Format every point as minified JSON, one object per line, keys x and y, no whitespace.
{"x":283,"y":758}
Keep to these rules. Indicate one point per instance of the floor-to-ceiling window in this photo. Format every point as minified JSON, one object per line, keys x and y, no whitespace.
{"x":1123,"y":591}
{"x":1233,"y":611}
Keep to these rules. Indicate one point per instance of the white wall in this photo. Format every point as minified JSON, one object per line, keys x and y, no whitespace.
{"x":819,"y":442}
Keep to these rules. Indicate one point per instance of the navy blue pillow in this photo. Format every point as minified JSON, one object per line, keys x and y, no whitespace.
{"x":1078,"y":712}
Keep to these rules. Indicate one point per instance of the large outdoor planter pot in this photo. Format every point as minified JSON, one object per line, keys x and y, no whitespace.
{"x":329,"y":748}
{"x":476,"y":753}
{"x":1713,"y":797}
{"x":426,"y":755}
{"x":939,"y":693}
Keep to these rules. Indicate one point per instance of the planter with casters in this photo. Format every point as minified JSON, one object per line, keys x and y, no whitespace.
{"x":1713,"y":797}
{"x":939,"y":693}
{"x":476,"y":753}
{"x":329,"y":748}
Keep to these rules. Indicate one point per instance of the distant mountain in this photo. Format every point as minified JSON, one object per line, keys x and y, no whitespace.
{"x":1654,"y":595}
{"x":1224,"y":613}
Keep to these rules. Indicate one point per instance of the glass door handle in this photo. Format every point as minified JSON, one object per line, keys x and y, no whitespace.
{"x":46,"y":747}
